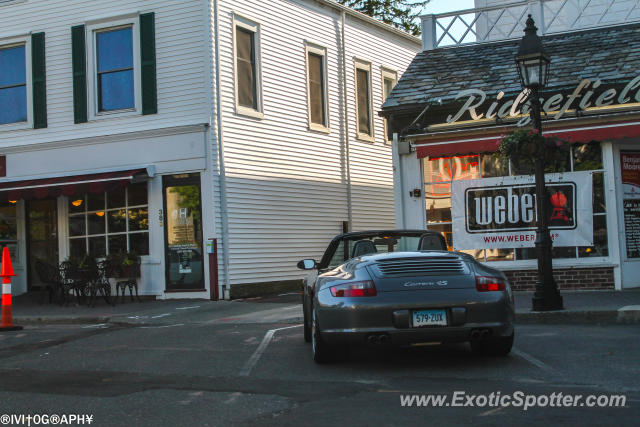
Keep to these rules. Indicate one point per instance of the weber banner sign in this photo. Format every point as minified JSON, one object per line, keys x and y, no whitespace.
{"x":496,"y":213}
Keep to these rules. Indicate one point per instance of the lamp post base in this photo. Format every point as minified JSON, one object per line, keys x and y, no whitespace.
{"x":548,"y":302}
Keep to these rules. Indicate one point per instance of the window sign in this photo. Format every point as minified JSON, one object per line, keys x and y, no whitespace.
{"x":501,"y":212}
{"x":630,"y":166}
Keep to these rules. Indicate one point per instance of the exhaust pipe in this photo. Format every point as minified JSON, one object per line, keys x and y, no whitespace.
{"x":475,"y":334}
{"x":485,"y":333}
{"x":373,"y":340}
{"x":384,"y":339}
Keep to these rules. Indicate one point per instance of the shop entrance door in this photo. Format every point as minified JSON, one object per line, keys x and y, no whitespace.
{"x":42,"y":237}
{"x":630,"y":168}
{"x":183,"y":232}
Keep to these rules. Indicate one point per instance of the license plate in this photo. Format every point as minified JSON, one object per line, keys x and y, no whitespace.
{"x":429,"y":318}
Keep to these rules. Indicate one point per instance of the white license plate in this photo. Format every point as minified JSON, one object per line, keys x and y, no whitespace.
{"x":429,"y":318}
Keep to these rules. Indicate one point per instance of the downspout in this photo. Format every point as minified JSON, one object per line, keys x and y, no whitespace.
{"x":224,"y":219}
{"x":345,"y":118}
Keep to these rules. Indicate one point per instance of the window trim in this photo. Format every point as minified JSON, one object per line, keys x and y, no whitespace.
{"x":387,"y":73}
{"x":240,"y":21}
{"x":23,"y":40}
{"x":360,"y":64}
{"x":317,"y":49}
{"x":91,"y":31}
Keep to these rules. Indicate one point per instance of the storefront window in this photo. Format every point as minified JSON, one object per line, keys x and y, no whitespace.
{"x":110,"y":222}
{"x":9,"y":229}
{"x":439,"y":173}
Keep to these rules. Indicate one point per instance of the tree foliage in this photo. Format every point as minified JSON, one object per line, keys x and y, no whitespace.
{"x":401,"y":14}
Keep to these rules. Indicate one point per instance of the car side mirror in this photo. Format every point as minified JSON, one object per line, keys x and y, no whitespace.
{"x":307,"y":264}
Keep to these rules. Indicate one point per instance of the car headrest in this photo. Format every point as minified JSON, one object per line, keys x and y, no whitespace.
{"x":430,"y":242}
{"x":363,"y":247}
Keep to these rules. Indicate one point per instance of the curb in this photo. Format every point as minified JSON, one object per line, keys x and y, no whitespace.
{"x":624,"y":315}
{"x":59,"y":320}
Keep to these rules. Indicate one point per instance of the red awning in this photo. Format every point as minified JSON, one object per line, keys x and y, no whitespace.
{"x":68,"y":185}
{"x":489,"y":143}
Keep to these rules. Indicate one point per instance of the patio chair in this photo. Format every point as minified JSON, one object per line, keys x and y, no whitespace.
{"x":49,"y":276}
{"x":129,"y":279}
{"x":99,"y":283}
{"x":71,"y":282}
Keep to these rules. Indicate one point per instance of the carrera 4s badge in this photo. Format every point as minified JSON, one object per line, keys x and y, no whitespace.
{"x":417,"y":284}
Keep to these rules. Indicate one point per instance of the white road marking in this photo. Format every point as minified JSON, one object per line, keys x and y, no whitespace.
{"x":246,"y":369}
{"x":491,"y":411}
{"x":187,"y":308}
{"x":98,"y":326}
{"x":536,"y":362}
{"x":161,"y":315}
{"x":163,"y":326}
{"x":290,"y":293}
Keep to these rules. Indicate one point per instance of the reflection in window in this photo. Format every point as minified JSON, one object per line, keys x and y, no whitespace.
{"x":13,"y":85}
{"x":97,"y":228}
{"x":114,"y":55}
{"x":246,"y":68}
{"x":9,"y":229}
{"x":439,"y":173}
{"x":363,"y":99}
{"x":317,"y":101}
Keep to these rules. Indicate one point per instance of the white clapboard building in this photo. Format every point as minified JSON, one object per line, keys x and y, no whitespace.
{"x":221,"y":141}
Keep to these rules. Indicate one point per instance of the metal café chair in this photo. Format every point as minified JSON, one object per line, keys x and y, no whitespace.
{"x":98,"y":283}
{"x":128,"y":278}
{"x":50,"y":280}
{"x":71,"y":282}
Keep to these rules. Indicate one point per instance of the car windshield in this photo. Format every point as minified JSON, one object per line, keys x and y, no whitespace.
{"x":354,"y":246}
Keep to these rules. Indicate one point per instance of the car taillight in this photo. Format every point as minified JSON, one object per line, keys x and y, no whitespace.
{"x":355,"y":289}
{"x":487,"y":284}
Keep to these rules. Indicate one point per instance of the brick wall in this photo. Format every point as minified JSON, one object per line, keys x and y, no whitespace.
{"x":566,"y":278}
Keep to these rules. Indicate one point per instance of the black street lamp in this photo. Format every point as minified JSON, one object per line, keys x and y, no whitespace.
{"x":533,"y":69}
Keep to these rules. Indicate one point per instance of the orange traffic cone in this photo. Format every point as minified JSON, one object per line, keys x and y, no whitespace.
{"x":6,"y":272}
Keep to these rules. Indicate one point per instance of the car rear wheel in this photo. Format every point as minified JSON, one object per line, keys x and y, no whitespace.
{"x":500,"y":346}
{"x":322,"y":352}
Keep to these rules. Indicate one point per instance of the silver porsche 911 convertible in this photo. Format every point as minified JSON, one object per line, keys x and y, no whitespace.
{"x":403,"y":288}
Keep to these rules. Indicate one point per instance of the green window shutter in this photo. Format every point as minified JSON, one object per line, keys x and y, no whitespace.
{"x":38,"y":80}
{"x":79,"y":64}
{"x":148,"y":60}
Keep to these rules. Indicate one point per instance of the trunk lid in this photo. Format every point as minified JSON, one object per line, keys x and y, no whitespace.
{"x":429,"y":273}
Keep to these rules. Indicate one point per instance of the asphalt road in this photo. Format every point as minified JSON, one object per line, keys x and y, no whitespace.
{"x":214,"y":366}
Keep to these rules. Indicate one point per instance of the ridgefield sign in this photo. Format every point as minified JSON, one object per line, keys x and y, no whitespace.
{"x":587,"y":94}
{"x":501,"y":212}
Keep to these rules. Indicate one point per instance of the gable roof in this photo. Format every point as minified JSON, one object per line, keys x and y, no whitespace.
{"x":611,"y":54}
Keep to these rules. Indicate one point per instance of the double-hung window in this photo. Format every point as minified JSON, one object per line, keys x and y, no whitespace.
{"x":247,"y":67}
{"x":23,"y":92}
{"x":317,"y":87}
{"x":364,"y":107}
{"x":13,"y":84}
{"x":114,"y":69}
{"x":389,"y":79}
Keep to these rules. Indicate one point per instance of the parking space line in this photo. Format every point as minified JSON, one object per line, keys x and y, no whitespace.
{"x":536,"y":362}
{"x":246,"y":369}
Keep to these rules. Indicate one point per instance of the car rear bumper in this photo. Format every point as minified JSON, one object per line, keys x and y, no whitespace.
{"x":388,"y":317}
